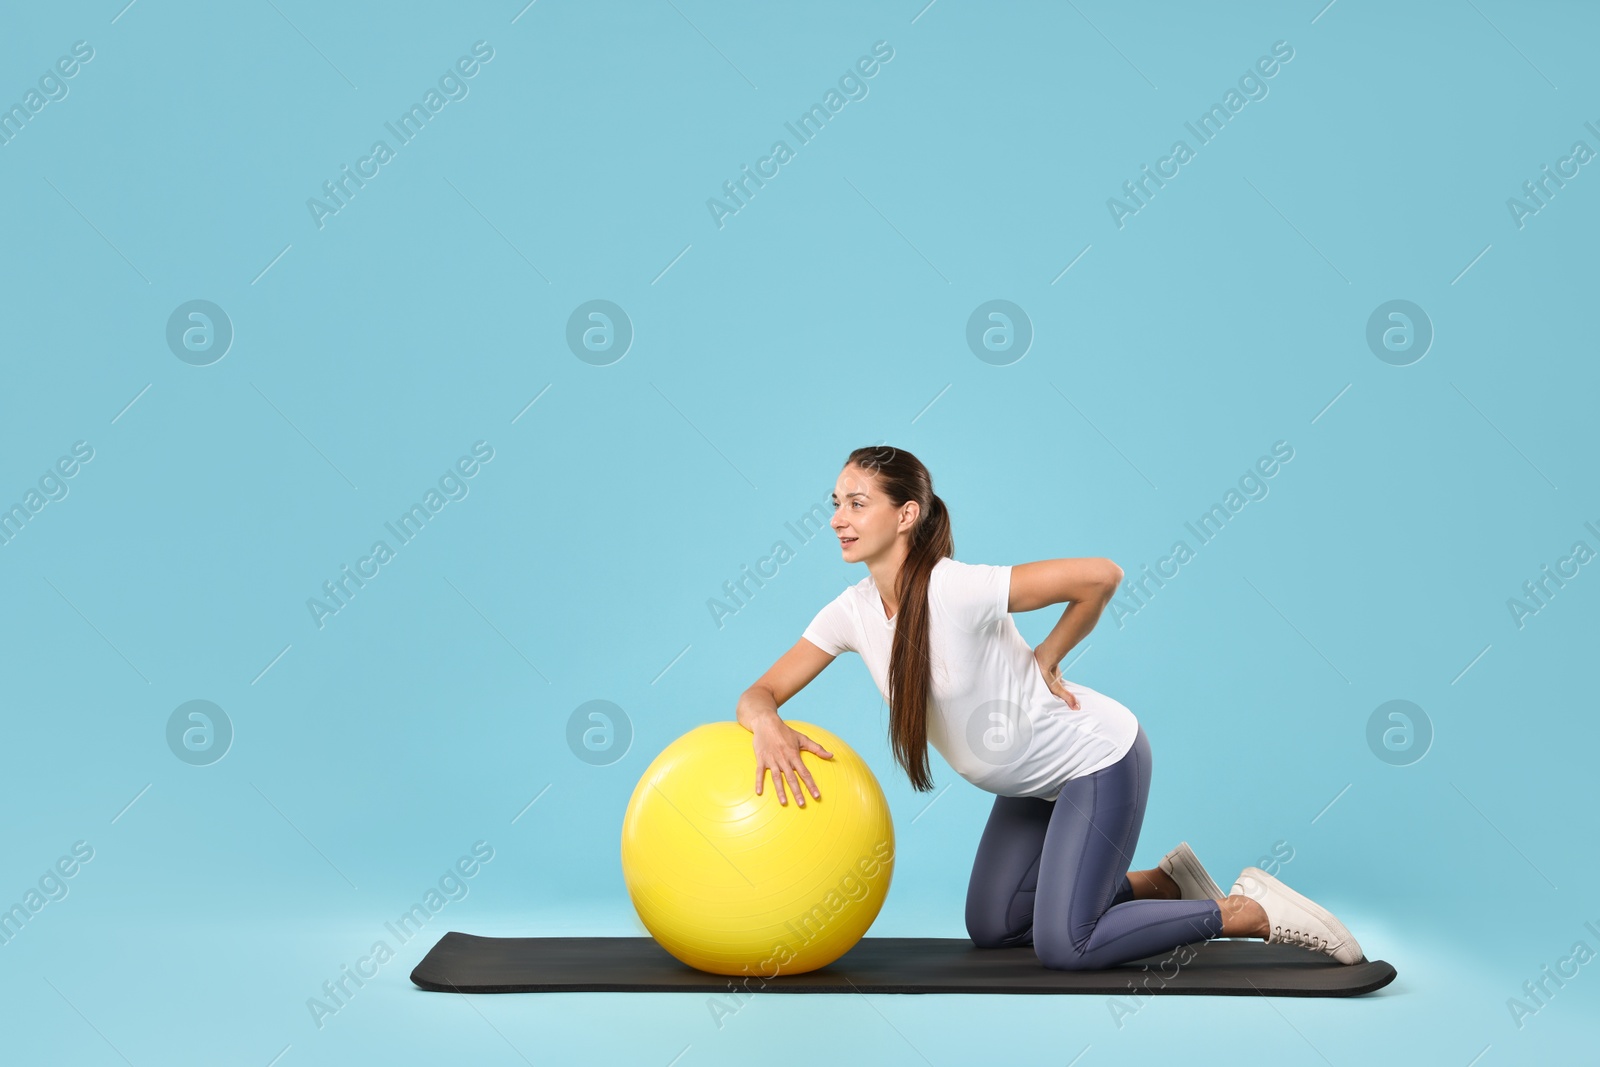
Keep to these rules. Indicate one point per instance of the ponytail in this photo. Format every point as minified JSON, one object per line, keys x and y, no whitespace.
{"x":903,"y":478}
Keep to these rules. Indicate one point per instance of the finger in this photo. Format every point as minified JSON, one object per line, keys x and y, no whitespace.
{"x":806,"y":774}
{"x":777,"y":785}
{"x":794,"y":786}
{"x":760,"y":774}
{"x":814,"y":747}
{"x":799,"y":794}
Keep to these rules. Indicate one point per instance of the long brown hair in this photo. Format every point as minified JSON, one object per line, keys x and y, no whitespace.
{"x":902,"y":477}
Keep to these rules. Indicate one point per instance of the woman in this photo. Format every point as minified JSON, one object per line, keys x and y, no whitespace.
{"x":1070,"y":767}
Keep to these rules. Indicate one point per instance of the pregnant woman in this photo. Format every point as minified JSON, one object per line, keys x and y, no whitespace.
{"x":1070,"y":767}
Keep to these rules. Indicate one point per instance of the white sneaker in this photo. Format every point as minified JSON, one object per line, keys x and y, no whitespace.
{"x":1297,"y":920}
{"x":1184,"y":867}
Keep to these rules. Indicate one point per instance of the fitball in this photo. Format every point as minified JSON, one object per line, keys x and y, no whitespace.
{"x":734,"y":883}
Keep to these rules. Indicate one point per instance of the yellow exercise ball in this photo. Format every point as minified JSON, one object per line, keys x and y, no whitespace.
{"x":734,"y":883}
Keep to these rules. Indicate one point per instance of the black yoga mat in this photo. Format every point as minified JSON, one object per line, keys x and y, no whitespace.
{"x":466,"y":963}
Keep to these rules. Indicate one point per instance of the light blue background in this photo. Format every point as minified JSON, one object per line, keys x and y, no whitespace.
{"x":1228,"y":314}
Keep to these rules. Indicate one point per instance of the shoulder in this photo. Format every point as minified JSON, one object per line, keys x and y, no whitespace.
{"x":952,"y":570}
{"x":975,"y":594}
{"x":836,"y":626}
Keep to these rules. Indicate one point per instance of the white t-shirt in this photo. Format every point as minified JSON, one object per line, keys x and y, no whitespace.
{"x":991,"y":715}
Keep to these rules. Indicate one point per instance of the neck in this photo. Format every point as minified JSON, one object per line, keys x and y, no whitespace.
{"x":886,"y":576}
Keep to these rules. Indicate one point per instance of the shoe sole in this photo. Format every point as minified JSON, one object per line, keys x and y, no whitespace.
{"x":1310,"y":905}
{"x":1185,"y":859}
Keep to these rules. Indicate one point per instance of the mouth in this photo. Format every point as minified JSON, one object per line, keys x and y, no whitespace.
{"x":846,"y":541}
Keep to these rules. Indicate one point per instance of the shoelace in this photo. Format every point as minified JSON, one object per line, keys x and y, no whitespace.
{"x":1302,"y":938}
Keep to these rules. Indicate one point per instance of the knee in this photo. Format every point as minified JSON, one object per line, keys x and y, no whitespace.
{"x":990,"y":929}
{"x":990,"y":934}
{"x":986,"y":940}
{"x":1060,"y":954}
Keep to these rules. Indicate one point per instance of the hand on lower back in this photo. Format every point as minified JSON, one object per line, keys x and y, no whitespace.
{"x":1052,"y":678}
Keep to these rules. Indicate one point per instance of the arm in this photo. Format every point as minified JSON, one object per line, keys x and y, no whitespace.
{"x":1086,"y":584}
{"x":1055,"y":581}
{"x":793,"y":672}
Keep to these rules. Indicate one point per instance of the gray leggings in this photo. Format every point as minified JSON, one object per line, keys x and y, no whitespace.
{"x":1054,"y":875}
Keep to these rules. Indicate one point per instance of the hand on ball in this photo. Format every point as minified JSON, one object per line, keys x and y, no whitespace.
{"x":777,"y":747}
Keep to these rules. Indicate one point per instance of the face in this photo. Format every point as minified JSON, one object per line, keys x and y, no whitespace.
{"x":864,"y":518}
